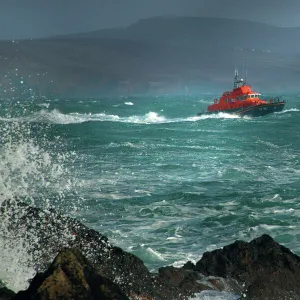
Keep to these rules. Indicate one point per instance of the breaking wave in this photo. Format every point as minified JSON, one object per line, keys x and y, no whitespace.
{"x":288,"y":110}
{"x":36,"y":171}
{"x":56,"y":117}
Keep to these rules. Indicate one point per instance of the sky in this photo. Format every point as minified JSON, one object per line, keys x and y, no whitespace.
{"x":39,"y":18}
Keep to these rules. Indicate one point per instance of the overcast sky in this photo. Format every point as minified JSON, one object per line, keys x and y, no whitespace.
{"x":36,"y":18}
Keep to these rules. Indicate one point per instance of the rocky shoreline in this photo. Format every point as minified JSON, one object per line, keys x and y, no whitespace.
{"x":75,"y":262}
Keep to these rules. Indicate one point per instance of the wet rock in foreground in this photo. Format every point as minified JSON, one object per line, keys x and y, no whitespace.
{"x":259,"y":270}
{"x":5,"y":293}
{"x":265,"y":268}
{"x":71,"y":276}
{"x":53,"y":231}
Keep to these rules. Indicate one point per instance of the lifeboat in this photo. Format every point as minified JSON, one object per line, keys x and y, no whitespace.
{"x":243,"y":101}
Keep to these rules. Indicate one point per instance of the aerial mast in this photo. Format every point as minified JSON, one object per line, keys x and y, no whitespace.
{"x":236,"y":79}
{"x":237,"y":82}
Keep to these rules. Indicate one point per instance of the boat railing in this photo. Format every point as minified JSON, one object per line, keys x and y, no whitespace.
{"x":276,"y":100}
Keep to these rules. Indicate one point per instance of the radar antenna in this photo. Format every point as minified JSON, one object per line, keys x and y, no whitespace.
{"x":237,"y":82}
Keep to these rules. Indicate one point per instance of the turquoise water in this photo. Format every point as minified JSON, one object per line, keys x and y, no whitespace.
{"x":157,"y":180}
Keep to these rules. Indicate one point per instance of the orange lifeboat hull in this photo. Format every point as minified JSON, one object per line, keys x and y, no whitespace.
{"x":251,"y":111}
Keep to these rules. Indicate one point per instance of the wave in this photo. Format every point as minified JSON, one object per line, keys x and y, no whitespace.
{"x":35,"y":171}
{"x":289,"y":110}
{"x":220,"y":115}
{"x":56,"y":117}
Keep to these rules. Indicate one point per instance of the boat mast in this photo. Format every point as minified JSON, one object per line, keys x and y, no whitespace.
{"x":236,"y":79}
{"x":237,"y":82}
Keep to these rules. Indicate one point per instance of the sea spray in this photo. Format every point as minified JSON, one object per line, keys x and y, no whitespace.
{"x":36,"y":171}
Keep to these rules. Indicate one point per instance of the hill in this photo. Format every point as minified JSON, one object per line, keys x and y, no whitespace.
{"x":155,"y":55}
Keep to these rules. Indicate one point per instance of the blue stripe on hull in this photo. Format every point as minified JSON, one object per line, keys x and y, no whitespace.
{"x":253,"y":111}
{"x":261,"y":110}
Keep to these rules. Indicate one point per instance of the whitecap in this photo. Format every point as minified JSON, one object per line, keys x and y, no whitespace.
{"x":151,"y":117}
{"x":220,"y":115}
{"x":154,"y":253}
{"x":44,"y":105}
{"x":288,"y":110}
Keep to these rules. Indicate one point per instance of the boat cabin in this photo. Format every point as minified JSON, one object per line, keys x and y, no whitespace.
{"x":241,"y":96}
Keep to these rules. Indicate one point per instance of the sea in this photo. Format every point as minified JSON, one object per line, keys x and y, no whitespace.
{"x":155,"y":178}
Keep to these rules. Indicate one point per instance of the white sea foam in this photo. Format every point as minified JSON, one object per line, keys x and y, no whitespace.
{"x":151,"y":117}
{"x":184,"y":258}
{"x":44,"y":105}
{"x":288,"y":110}
{"x":14,"y":261}
{"x":34,"y":172}
{"x":214,"y":116}
{"x":56,"y":117}
{"x":129,"y":103}
{"x":155,"y":254}
{"x":27,"y":164}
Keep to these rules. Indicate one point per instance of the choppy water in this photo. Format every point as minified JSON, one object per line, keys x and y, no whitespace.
{"x":157,"y":180}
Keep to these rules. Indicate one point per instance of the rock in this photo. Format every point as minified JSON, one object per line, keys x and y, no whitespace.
{"x":5,"y":293}
{"x":188,"y":265}
{"x":187,"y":281}
{"x":71,"y":276}
{"x":265,"y":268}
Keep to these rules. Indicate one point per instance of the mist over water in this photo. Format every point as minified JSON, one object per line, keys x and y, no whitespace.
{"x":159,"y":181}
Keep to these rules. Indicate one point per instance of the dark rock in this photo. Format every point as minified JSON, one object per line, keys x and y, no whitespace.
{"x":5,"y":293}
{"x":187,"y":281}
{"x":71,"y":276}
{"x":266,"y":269}
{"x":188,"y":265}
